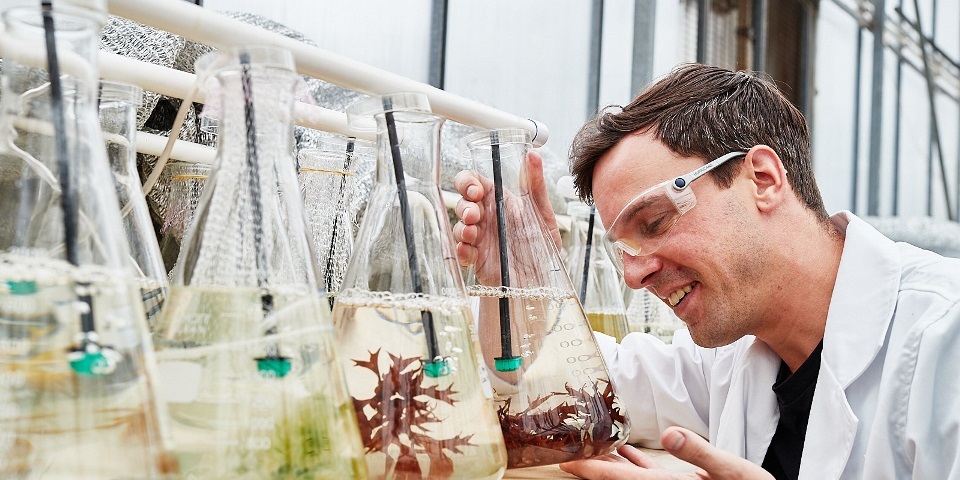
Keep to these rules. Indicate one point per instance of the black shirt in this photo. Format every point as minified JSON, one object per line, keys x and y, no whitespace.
{"x":794,"y":397}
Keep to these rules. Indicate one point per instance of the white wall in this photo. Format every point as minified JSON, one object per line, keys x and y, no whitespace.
{"x":526,"y":57}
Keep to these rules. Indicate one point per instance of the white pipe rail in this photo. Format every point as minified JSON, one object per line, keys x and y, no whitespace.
{"x":151,"y":144}
{"x":175,"y":83}
{"x":204,"y":26}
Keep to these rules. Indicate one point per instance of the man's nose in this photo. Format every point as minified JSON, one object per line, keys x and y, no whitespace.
{"x":638,"y":272}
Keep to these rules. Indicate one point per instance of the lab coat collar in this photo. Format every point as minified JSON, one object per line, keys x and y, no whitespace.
{"x":861,"y":309}
{"x":865,"y":294}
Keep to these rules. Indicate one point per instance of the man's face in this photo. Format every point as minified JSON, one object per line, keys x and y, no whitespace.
{"x":709,"y":268}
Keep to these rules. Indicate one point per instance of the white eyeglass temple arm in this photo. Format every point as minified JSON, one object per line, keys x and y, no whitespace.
{"x":681,"y":183}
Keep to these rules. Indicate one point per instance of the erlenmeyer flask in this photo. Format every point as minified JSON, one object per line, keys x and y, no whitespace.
{"x":326,"y":178}
{"x":77,"y":374}
{"x":405,"y":330}
{"x":593,"y":275}
{"x":648,"y":314}
{"x":186,"y":186}
{"x":118,"y":120}
{"x":245,"y":345}
{"x":555,"y":399}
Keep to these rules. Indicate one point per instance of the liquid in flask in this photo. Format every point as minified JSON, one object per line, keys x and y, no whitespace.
{"x":555,"y":400}
{"x":118,"y":120}
{"x":405,"y":330}
{"x":77,"y":373}
{"x":245,"y":345}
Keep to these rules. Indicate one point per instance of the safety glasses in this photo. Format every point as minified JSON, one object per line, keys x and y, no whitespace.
{"x":645,"y":222}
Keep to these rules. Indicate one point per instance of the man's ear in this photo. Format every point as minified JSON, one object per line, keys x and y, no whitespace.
{"x":768,"y":176}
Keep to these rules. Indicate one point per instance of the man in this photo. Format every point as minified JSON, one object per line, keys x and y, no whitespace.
{"x":815,"y":347}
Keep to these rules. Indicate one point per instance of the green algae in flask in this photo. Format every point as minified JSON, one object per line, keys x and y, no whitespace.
{"x":245,"y":346}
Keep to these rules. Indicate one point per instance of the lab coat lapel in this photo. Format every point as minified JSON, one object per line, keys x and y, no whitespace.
{"x":862,"y":306}
{"x":750,"y":413}
{"x":831,"y":430}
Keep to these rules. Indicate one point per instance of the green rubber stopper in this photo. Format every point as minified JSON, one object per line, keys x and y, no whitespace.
{"x":436,"y":369}
{"x":25,"y":287}
{"x":508,"y":364}
{"x":91,"y":363}
{"x":277,"y":367}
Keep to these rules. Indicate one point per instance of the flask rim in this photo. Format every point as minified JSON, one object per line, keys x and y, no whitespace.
{"x":114,"y":91}
{"x":362,"y":114}
{"x":71,"y":20}
{"x":482,"y":139}
{"x":266,"y":57}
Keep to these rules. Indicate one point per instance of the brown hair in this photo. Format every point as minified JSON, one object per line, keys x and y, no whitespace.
{"x":699,"y":110}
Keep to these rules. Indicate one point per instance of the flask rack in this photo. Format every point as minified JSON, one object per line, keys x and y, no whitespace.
{"x":208,"y":27}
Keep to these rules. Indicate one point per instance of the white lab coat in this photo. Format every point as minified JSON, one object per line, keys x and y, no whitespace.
{"x":887,"y":401}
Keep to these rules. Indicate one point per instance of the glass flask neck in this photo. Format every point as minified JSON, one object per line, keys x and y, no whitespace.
{"x":92,"y":232}
{"x":248,"y":229}
{"x":418,"y":141}
{"x":25,"y":56}
{"x":118,"y":120}
{"x":272,"y":92}
{"x":579,"y":214}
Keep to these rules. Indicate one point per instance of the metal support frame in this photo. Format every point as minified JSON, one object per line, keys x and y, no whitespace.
{"x":703,"y":9}
{"x":855,"y":176}
{"x":876,"y":109}
{"x":644,"y":28}
{"x":759,"y":20}
{"x":934,"y":124}
{"x":911,"y":42}
{"x":438,"y":42}
{"x":896,"y":126}
{"x":596,"y":53}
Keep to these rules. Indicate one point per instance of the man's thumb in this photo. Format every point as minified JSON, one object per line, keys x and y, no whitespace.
{"x":692,"y":448}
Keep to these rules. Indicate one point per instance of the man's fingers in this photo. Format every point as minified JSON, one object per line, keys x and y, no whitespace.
{"x":470,"y":185}
{"x":605,"y":467}
{"x":465,"y":233}
{"x":466,"y":254}
{"x":637,"y":457}
{"x":720,"y":465}
{"x":468,"y":212}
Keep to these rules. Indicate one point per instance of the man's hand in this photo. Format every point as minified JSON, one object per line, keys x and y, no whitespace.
{"x":715,"y":464}
{"x":476,"y":232}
